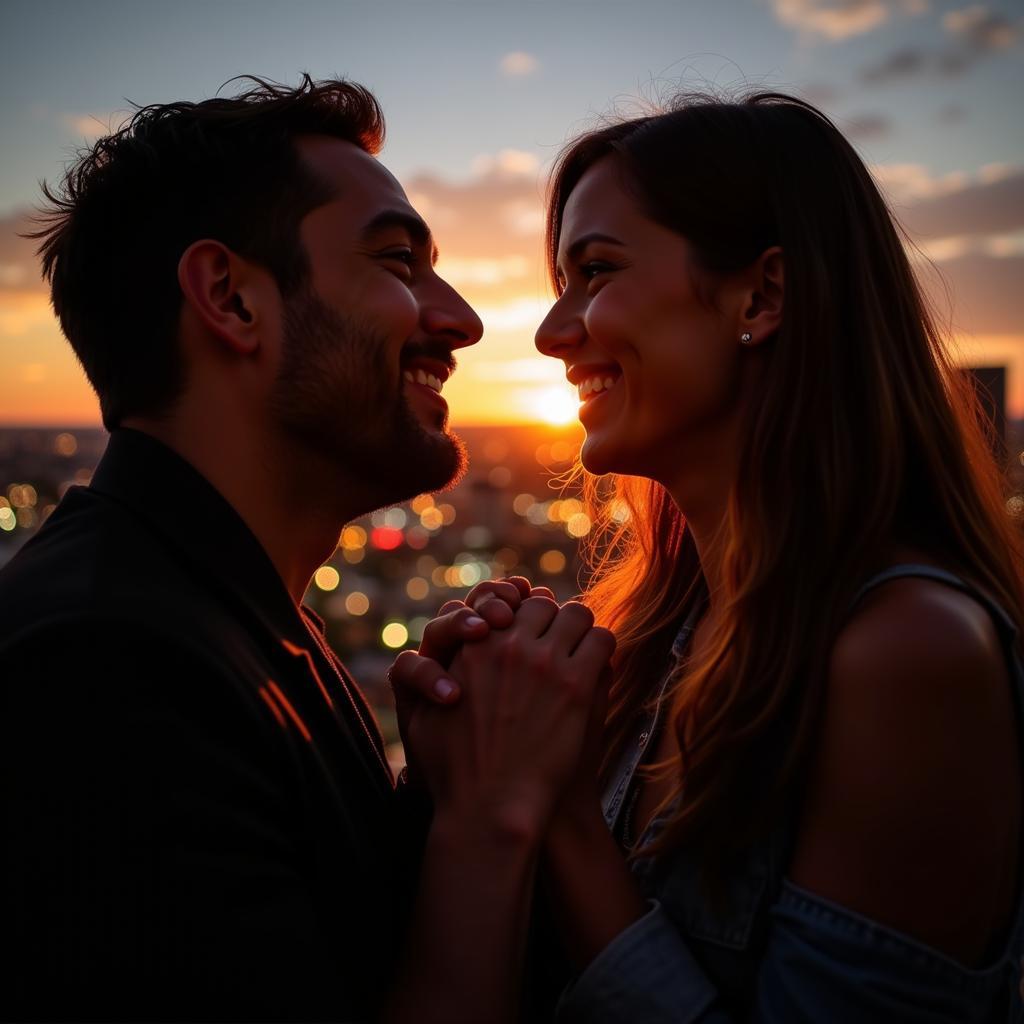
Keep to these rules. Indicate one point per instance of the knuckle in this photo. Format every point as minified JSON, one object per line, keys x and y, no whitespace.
{"x":539,"y":659}
{"x":480,"y":593}
{"x":578,"y":687}
{"x":422,"y":670}
{"x":572,"y":681}
{"x":460,"y":616}
{"x":495,"y":613}
{"x":483,"y":601}
{"x":401,"y":668}
{"x":579,"y":611}
{"x":432,"y":628}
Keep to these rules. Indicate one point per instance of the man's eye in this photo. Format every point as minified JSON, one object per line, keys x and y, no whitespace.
{"x":403,"y":254}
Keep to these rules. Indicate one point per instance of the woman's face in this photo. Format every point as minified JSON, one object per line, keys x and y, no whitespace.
{"x":655,"y":364}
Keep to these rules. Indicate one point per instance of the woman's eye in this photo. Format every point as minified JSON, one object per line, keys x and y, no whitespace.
{"x":593,"y":268}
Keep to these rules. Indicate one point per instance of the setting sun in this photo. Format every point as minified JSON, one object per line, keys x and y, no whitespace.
{"x":554,"y":405}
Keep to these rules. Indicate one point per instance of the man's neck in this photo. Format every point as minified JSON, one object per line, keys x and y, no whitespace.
{"x":292,"y":501}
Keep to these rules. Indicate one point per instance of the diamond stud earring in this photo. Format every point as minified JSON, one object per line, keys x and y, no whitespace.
{"x":746,"y":338}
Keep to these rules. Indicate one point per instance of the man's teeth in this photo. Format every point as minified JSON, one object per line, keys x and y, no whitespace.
{"x":592,"y":385}
{"x":422,"y":377}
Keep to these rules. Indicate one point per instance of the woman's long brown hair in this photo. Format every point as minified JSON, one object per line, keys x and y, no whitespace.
{"x":863,"y":434}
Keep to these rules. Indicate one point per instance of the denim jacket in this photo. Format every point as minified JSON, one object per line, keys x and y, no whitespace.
{"x":772,"y":952}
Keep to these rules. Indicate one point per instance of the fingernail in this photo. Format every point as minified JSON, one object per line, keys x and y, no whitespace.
{"x":444,"y":688}
{"x":474,"y":620}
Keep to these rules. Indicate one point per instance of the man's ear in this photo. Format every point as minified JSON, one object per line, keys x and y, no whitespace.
{"x":762,"y":308}
{"x":223,"y":292}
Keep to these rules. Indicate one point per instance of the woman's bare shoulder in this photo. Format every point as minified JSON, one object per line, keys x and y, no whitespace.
{"x":913,"y":802}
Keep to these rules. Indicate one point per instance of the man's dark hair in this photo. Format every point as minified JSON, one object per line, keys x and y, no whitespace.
{"x":227,"y":168}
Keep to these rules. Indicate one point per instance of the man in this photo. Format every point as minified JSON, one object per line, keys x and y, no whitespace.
{"x":199,"y":821}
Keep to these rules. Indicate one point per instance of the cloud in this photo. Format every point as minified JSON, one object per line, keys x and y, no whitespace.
{"x":983,"y":291}
{"x":518,"y":64}
{"x":24,"y":311}
{"x":909,"y":182}
{"x":90,"y":126}
{"x":506,"y":163}
{"x":460,"y":272}
{"x":903,"y":63}
{"x":12,"y":275}
{"x":911,"y":62}
{"x":821,"y":94}
{"x":24,"y":297}
{"x":523,"y":217}
{"x":492,"y":248}
{"x":968,"y":240}
{"x":992,"y":204}
{"x":868,"y":126}
{"x":19,"y":266}
{"x":516,"y":315}
{"x":975,"y":33}
{"x":839,"y":19}
{"x":981,"y":28}
{"x":952,"y":113}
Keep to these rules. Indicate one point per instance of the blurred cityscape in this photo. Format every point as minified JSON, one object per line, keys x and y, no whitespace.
{"x":394,"y":569}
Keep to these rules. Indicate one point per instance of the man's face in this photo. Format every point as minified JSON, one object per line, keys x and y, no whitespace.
{"x":369,"y":338}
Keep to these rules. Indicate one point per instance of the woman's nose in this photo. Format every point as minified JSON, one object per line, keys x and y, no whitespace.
{"x":559,"y":332}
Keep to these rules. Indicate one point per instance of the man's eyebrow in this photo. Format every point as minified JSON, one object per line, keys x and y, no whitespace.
{"x":408,"y":222}
{"x":574,"y":250}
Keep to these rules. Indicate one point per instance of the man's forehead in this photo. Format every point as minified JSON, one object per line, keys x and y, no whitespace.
{"x":351,"y":171}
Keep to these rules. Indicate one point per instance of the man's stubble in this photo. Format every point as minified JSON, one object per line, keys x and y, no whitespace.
{"x":336,"y":394}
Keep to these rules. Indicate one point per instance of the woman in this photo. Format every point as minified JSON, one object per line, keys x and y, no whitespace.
{"x":812,"y":764}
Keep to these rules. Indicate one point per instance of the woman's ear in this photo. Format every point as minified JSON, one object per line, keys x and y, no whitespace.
{"x":223,"y":292}
{"x":762,"y":312}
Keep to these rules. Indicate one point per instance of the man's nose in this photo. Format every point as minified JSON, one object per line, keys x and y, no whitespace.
{"x":560,"y":331}
{"x":445,"y":313}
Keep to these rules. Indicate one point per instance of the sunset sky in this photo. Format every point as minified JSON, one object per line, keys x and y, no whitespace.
{"x":479,"y":99}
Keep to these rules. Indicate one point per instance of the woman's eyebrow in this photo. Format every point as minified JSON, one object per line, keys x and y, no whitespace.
{"x":574,"y":250}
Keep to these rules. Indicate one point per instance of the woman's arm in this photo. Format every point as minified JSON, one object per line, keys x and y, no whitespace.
{"x":587,"y":882}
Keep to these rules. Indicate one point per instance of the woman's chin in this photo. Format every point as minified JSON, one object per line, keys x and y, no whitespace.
{"x":598,"y":456}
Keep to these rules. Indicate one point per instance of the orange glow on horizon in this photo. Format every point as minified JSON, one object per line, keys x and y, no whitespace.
{"x":502,"y":381}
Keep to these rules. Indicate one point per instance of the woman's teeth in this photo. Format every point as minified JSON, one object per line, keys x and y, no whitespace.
{"x":592,"y":385}
{"x":421,"y":377}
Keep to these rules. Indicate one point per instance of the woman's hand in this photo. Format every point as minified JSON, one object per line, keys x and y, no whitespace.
{"x":512,"y":743}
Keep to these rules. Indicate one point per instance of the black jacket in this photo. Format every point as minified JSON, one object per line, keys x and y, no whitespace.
{"x":198,"y":820}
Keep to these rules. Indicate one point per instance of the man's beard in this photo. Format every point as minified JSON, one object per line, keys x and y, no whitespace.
{"x":336,"y":395}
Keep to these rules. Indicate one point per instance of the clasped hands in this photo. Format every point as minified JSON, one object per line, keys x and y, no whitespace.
{"x":502,"y":708}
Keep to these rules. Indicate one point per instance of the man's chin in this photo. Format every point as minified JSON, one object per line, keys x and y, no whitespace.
{"x":440,"y":463}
